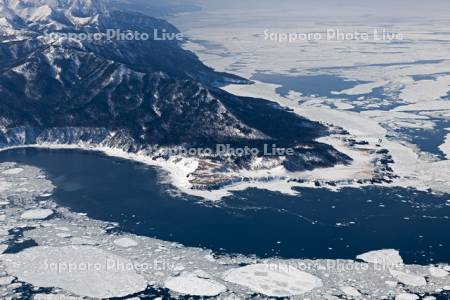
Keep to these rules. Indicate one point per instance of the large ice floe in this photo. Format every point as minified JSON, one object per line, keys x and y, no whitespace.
{"x":277,"y":282}
{"x":68,"y":255}
{"x":37,"y":214}
{"x":196,"y":283}
{"x":82,"y":270}
{"x":388,"y":257}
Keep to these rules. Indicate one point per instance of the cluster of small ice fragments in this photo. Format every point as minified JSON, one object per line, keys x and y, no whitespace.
{"x":45,"y":247}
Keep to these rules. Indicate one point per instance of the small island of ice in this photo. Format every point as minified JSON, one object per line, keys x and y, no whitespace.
{"x":269,"y":280}
{"x":83,"y":270}
{"x":195,"y":285}
{"x":37,"y":214}
{"x":408,"y":278}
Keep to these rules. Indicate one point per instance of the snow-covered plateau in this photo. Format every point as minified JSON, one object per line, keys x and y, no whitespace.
{"x":67,"y":255}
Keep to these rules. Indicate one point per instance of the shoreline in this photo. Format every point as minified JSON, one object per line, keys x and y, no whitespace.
{"x":67,"y":237}
{"x":175,"y":171}
{"x":414,"y":170}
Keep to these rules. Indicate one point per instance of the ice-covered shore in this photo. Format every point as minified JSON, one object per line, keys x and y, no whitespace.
{"x":445,"y":147}
{"x":178,"y":170}
{"x":382,"y":94}
{"x":377,"y":158}
{"x":75,"y":256}
{"x":411,"y":167}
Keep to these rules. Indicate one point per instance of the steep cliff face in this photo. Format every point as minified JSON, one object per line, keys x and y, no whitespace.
{"x":60,"y":83}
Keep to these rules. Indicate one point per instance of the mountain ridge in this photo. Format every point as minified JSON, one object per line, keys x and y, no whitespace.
{"x":151,"y":91}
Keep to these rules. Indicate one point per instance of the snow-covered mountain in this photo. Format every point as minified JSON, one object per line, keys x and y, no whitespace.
{"x":55,"y":87}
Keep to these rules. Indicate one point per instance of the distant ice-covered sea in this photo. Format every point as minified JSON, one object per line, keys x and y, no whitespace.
{"x":390,"y":93}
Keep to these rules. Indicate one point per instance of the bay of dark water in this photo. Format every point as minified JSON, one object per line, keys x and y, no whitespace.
{"x":318,"y":223}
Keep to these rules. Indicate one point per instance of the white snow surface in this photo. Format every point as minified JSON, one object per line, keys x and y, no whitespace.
{"x":426,"y":90}
{"x":6,"y":280}
{"x":83,"y":270}
{"x":413,"y":79}
{"x":408,"y":278}
{"x":3,"y":248}
{"x":350,"y":291}
{"x":271,"y":281}
{"x":4,"y":186}
{"x":190,"y":283}
{"x":438,"y":272}
{"x":13,"y":171}
{"x":37,"y":214}
{"x":386,"y":257}
{"x":54,"y":297}
{"x":405,"y":296}
{"x":125,"y":242}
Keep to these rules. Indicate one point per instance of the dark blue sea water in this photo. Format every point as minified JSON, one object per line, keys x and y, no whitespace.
{"x":316,"y":224}
{"x":428,"y":140}
{"x":324,"y":85}
{"x":319,"y":85}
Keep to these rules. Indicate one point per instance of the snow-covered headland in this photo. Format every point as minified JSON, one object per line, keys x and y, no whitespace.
{"x":183,"y":171}
{"x":405,"y":77}
{"x":412,"y":168}
{"x":76,"y":256}
{"x":392,"y":90}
